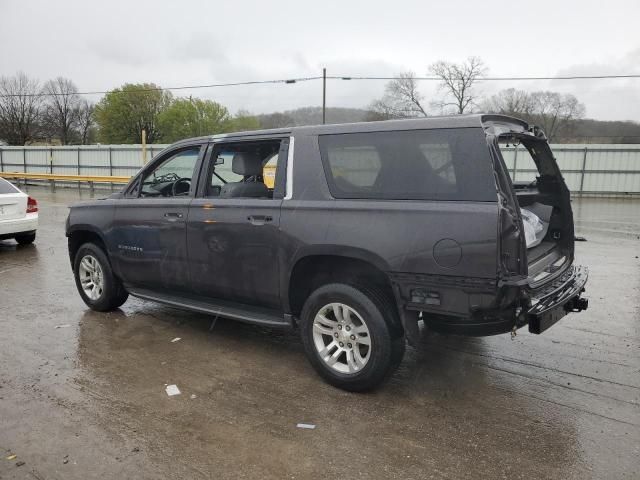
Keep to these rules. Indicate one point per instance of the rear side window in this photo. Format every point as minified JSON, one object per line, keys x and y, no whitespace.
{"x":442,"y":164}
{"x":6,"y":187}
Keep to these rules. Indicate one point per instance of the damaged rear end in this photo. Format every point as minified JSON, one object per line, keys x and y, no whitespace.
{"x":538,"y":282}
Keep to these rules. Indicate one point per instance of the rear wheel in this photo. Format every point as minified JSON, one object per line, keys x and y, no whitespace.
{"x":350,"y":336}
{"x":25,"y":239}
{"x":99,"y":288}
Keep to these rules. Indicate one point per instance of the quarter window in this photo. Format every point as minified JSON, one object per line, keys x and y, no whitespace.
{"x":439,"y":164}
{"x":355,"y":165}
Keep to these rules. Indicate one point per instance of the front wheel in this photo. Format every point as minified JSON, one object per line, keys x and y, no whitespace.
{"x":350,"y":336}
{"x":99,"y":288}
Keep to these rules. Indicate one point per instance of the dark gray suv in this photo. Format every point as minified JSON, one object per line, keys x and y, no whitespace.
{"x":352,"y":233}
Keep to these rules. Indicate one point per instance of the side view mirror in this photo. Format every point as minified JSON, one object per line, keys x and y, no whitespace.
{"x":219,"y":161}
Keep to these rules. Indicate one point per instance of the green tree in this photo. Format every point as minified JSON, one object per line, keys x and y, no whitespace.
{"x":187,"y":117}
{"x":243,"y":121}
{"x":123,"y":113}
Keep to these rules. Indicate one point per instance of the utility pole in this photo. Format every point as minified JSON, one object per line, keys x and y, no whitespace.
{"x":144,"y":146}
{"x":324,"y":95}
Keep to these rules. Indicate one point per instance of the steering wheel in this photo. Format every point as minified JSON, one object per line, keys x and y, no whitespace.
{"x":167,"y":177}
{"x":180,"y":181}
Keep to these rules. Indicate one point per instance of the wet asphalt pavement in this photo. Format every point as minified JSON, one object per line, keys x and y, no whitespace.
{"x":83,"y":393}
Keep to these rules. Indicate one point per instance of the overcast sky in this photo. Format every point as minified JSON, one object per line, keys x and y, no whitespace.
{"x":101,"y":45}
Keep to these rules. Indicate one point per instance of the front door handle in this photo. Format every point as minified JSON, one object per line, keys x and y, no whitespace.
{"x":173,"y":216}
{"x":259,"y":219}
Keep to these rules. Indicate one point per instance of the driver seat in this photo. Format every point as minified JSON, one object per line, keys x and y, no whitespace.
{"x":246,"y":164}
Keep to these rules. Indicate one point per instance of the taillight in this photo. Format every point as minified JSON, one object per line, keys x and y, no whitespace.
{"x":32,"y":205}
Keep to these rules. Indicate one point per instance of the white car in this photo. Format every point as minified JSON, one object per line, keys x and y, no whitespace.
{"x":18,"y":214}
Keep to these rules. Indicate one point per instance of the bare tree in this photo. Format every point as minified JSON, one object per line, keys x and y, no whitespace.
{"x":458,"y":80}
{"x":20,"y":104}
{"x":512,"y":102}
{"x":85,"y":122}
{"x":555,"y":112}
{"x":401,"y":99}
{"x":61,"y":109}
{"x":552,"y":111}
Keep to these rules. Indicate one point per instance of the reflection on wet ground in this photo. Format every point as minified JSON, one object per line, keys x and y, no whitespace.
{"x":607,"y":216}
{"x":90,"y":386}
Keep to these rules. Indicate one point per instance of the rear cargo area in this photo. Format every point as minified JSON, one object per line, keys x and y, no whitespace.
{"x":544,"y":203}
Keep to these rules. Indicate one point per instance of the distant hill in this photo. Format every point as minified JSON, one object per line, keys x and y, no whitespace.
{"x":581,"y":131}
{"x":600,"y":131}
{"x":311,"y":116}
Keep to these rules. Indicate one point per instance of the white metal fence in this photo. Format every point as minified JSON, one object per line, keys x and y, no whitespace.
{"x":605,"y":169}
{"x":587,"y":169}
{"x":111,"y":160}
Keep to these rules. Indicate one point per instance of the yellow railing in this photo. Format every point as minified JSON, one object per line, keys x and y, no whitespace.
{"x":64,"y":178}
{"x":269,"y":174}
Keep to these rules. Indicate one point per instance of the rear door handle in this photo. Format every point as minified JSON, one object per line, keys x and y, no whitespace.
{"x":173,"y":216}
{"x":259,"y":219}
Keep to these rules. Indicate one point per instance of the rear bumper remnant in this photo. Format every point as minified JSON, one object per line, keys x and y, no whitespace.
{"x":556,"y":300}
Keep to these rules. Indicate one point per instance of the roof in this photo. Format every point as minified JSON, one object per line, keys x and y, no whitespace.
{"x":476,"y":120}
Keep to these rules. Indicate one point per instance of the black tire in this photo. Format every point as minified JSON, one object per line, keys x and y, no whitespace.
{"x":378,"y":312}
{"x":113,"y":293}
{"x":26,"y":239}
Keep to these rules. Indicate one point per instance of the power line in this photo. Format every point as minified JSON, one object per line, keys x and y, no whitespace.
{"x":437,"y":79}
{"x":308,"y":79}
{"x":160,"y":89}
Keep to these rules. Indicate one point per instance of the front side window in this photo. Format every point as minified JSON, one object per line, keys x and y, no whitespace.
{"x":172,"y":178}
{"x":439,"y":164}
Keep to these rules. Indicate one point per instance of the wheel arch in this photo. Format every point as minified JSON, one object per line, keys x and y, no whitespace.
{"x":80,"y":234}
{"x":316,"y":266}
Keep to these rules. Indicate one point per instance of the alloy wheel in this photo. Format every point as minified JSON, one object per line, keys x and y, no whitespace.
{"x":91,"y":277}
{"x":341,"y":338}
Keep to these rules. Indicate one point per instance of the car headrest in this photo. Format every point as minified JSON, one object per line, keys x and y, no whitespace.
{"x":246,"y":163}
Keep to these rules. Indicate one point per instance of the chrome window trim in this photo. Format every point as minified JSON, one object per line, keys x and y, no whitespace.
{"x":289,"y":184}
